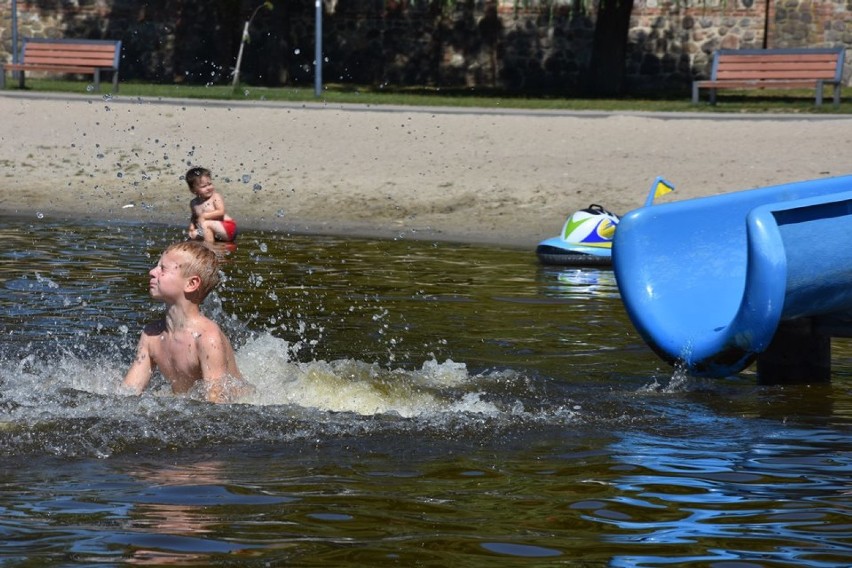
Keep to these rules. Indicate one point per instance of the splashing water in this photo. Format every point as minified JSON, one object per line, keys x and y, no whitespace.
{"x":294,"y":343}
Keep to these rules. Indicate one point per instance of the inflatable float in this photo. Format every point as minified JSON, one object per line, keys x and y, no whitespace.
{"x":586,"y":237}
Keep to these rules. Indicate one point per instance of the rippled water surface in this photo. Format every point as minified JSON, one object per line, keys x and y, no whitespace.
{"x":417,"y":403}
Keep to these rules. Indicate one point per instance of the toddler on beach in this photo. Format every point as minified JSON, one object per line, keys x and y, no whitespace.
{"x":209,"y":221}
{"x":185,"y":346}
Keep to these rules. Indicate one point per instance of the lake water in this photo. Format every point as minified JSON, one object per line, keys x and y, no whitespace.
{"x":418,"y":404}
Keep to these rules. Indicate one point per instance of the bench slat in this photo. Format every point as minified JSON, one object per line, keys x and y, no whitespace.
{"x":755,"y":64}
{"x":784,"y":68}
{"x":747,"y":84}
{"x":828,"y":70}
{"x":89,"y":61}
{"x":56,"y":68}
{"x":769,"y":57}
{"x":771,"y":74}
{"x":746,"y":64}
{"x":44,"y":46}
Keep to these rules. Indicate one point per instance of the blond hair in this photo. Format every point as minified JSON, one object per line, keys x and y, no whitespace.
{"x":202,"y":262}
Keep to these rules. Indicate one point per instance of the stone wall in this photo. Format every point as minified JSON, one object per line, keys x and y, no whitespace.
{"x":672,"y":42}
{"x":525,"y":45}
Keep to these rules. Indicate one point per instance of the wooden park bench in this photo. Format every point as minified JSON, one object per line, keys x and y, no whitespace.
{"x":775,"y":69}
{"x":69,"y":56}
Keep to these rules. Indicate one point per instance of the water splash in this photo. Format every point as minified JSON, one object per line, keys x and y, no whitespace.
{"x":72,"y":404}
{"x":349,"y":385}
{"x":339,"y":337}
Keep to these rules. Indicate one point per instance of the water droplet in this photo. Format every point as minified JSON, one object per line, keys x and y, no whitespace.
{"x":246,"y":178}
{"x":119,"y":175}
{"x":280,"y":213}
{"x":257,"y":187}
{"x":263,"y":247}
{"x":297,"y":51}
{"x":40,"y":215}
{"x":90,"y":88}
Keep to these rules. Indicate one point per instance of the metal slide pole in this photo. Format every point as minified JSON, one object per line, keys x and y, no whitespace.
{"x":318,"y":50}
{"x":15,"y":54}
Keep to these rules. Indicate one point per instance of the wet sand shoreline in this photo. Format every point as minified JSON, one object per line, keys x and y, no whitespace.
{"x":465,"y":175}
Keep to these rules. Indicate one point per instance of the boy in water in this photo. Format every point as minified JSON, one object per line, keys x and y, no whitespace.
{"x":185,"y":346}
{"x":208,"y":219}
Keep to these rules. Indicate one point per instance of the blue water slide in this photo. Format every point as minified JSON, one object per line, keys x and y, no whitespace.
{"x":707,"y":282}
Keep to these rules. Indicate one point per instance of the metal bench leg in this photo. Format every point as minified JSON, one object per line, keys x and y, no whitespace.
{"x":21,"y":78}
{"x":712,"y":96}
{"x":115,"y":81}
{"x":819,"y":88}
{"x":3,"y":78}
{"x":836,"y":94}
{"x":97,"y":80}
{"x":694,"y":94}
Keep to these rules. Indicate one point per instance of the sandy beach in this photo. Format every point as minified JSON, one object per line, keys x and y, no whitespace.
{"x":507,"y":177}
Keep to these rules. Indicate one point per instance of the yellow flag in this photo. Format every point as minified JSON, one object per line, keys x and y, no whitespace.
{"x":662,"y":188}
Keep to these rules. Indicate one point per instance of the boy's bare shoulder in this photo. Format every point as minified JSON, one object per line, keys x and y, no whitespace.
{"x":209,"y":330}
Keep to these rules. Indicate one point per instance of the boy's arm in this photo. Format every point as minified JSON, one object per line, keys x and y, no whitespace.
{"x":139,"y":374}
{"x":216,"y":211}
{"x":192,"y":229}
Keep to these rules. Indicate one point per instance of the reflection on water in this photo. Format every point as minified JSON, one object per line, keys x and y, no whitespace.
{"x":417,"y":403}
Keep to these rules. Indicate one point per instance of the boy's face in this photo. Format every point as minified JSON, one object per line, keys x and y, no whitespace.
{"x":167,"y":281}
{"x":203,"y":187}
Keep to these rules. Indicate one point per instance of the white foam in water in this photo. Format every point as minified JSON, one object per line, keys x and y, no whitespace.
{"x":473,"y":403}
{"x":70,"y":402}
{"x":345,"y":385}
{"x":348,"y":385}
{"x":679,"y":381}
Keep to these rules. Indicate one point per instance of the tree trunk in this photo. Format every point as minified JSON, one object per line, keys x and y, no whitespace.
{"x":609,"y":48}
